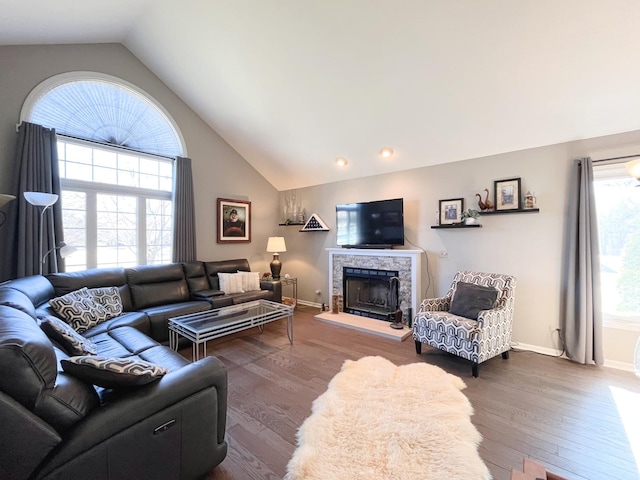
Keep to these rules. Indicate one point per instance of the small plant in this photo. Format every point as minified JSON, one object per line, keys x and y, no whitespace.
{"x":471,"y":213}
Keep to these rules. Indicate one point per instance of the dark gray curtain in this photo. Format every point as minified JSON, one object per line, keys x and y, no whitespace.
{"x":184,"y":222}
{"x":36,"y":171}
{"x":582,"y":321}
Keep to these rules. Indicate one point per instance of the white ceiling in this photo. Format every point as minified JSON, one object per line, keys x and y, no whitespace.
{"x":293,"y":84}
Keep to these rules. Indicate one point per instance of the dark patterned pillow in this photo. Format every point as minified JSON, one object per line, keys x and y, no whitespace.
{"x":109,"y":298}
{"x":470,"y":299}
{"x":65,"y":336}
{"x":112,"y":372}
{"x":79,"y":309}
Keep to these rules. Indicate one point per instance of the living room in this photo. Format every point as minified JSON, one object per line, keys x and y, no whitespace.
{"x":530,"y":247}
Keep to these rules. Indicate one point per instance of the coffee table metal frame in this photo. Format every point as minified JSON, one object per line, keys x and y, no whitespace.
{"x":201,"y":327}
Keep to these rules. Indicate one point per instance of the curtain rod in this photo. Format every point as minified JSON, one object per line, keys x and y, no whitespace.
{"x":615,"y":158}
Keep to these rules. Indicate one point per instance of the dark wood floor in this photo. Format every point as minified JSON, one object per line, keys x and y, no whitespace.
{"x":561,"y":414}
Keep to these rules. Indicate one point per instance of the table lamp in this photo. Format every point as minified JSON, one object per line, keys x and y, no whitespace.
{"x":276,"y":245}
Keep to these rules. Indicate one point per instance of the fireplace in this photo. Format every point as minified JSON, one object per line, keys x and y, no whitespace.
{"x":370,"y":292}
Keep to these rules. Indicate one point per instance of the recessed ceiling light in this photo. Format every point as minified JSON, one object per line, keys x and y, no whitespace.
{"x":341,"y":162}
{"x":386,"y":152}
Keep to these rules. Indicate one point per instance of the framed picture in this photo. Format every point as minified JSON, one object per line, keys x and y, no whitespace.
{"x":507,"y":194}
{"x":451,"y":211}
{"x":234,"y":221}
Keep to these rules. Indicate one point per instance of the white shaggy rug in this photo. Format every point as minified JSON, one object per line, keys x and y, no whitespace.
{"x":383,"y":422}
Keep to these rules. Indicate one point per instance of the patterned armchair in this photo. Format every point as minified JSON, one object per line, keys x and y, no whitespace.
{"x":476,"y":340}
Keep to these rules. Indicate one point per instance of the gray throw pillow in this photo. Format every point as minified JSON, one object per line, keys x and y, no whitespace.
{"x":112,"y":372}
{"x":470,"y":299}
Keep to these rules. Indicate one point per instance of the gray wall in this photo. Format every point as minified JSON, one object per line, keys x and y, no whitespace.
{"x":529,"y":246}
{"x":217,"y":169}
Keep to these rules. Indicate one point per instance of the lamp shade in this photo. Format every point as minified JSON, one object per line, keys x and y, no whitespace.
{"x":41,"y":199}
{"x":276,"y":245}
{"x":4,"y":199}
{"x":633,"y":167}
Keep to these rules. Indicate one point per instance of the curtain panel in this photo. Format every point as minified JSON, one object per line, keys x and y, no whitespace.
{"x":581,"y":323}
{"x":184,"y":222}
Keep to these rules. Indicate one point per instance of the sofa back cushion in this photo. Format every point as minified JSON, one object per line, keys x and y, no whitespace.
{"x":67,"y":282}
{"x":18,"y":300}
{"x":196,"y":276}
{"x":36,"y":287}
{"x":29,"y":367}
{"x":224,"y":266}
{"x":152,"y":285}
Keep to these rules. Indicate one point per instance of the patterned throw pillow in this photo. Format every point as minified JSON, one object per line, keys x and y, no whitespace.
{"x":250,"y":281}
{"x":230,"y":283}
{"x":79,"y":309}
{"x":109,"y":298}
{"x":65,"y":336}
{"x":112,"y":372}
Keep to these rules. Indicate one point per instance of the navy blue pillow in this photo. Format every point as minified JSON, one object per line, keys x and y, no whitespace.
{"x":470,"y":299}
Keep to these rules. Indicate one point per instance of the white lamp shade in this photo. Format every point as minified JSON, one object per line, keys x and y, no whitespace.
{"x":276,"y":245}
{"x":4,"y":199}
{"x":67,"y":250}
{"x":41,"y":199}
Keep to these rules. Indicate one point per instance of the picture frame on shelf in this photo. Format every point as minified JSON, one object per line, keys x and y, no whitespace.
{"x":507,"y":194}
{"x":451,"y":211}
{"x":234,"y":221}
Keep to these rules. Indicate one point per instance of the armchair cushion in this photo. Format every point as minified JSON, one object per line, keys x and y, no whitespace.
{"x":112,"y":372}
{"x":470,"y":299}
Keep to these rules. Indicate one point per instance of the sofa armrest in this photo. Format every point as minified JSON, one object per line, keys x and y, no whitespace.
{"x":438,"y":304}
{"x":125,"y":409}
{"x":495,"y":317}
{"x":275,"y":287}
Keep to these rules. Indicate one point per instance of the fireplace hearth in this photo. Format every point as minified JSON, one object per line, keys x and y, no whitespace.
{"x":370,"y":292}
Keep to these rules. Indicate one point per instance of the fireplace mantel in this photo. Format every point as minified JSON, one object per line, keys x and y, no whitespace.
{"x":407,"y":262}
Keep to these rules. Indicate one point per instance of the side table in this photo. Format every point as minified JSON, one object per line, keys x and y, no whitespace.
{"x":293,"y":281}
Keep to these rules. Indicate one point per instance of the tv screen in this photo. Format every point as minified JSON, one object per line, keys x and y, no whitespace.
{"x":379,"y":223}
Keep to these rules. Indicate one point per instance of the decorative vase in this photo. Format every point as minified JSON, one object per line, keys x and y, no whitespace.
{"x":470,"y":221}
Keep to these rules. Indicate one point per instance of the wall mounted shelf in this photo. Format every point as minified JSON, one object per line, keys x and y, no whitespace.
{"x":291,"y":224}
{"x":475,"y":225}
{"x":501,"y":212}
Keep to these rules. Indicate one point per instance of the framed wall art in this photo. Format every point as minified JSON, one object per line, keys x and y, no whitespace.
{"x":451,"y":211}
{"x":507,"y":194}
{"x":234,"y":221}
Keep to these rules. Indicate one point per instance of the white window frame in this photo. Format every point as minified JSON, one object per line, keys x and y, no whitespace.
{"x":92,"y":189}
{"x":615,"y":170}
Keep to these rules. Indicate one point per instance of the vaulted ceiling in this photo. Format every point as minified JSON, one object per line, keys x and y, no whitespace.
{"x":294,"y":84}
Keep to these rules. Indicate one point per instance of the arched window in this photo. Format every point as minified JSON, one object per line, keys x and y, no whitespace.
{"x":116,"y":146}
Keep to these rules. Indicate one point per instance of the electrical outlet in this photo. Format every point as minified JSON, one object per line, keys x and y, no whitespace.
{"x":444,"y":254}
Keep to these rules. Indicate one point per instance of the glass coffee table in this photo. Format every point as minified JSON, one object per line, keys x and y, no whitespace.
{"x":204,"y":326}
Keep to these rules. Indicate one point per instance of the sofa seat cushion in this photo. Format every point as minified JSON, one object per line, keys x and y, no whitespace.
{"x":448,"y":323}
{"x":137,"y":320}
{"x":159,"y":316}
{"x":122,"y":342}
{"x":223,"y":301}
{"x":110,"y":372}
{"x":250,"y":296}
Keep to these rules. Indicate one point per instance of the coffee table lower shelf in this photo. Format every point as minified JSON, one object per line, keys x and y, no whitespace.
{"x":201,"y":327}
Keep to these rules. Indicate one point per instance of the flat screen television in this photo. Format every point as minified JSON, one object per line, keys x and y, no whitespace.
{"x":378,"y":224}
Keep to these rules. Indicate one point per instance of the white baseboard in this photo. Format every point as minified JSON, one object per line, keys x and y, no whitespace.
{"x":310,"y":304}
{"x":628,"y":367}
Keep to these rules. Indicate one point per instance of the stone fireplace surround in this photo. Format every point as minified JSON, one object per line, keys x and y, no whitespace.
{"x":406,"y":262}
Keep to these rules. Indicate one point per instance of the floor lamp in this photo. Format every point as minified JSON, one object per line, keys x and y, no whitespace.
{"x":42,"y":201}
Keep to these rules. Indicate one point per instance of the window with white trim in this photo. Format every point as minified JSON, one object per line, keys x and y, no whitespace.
{"x":116,"y":205}
{"x":617,"y":198}
{"x":115,"y":149}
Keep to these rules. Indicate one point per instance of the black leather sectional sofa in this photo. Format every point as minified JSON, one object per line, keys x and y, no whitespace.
{"x":55,"y":425}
